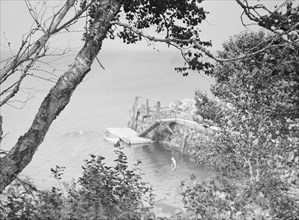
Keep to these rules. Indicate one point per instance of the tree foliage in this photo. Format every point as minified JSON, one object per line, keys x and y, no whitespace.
{"x":208,"y":110}
{"x":102,"y":192}
{"x":256,"y":150}
{"x":282,"y":20}
{"x":266,"y":83}
{"x":177,"y":21}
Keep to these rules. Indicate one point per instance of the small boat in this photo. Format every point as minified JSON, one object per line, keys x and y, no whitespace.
{"x":125,"y":135}
{"x":112,"y":138}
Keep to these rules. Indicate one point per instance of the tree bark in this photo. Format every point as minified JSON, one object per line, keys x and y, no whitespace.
{"x":58,"y":97}
{"x":1,"y":130}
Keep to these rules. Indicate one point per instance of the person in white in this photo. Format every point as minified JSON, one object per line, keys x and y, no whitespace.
{"x":173,"y":163}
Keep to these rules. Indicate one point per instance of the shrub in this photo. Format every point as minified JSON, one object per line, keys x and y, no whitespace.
{"x":102,"y":192}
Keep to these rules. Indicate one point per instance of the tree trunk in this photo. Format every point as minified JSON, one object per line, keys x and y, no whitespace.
{"x":58,"y":97}
{"x":1,"y":131}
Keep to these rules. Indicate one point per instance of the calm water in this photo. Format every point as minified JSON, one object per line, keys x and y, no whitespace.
{"x":102,"y":101}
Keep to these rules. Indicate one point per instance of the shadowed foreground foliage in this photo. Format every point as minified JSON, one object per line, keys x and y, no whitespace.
{"x":102,"y":192}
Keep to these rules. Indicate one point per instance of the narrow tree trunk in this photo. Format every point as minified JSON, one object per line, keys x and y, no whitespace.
{"x":1,"y":131}
{"x":58,"y":97}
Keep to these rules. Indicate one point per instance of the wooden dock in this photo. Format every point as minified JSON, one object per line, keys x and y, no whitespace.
{"x":185,"y":122}
{"x":146,"y":116}
{"x":125,"y":135}
{"x":149,"y":129}
{"x":181,"y":121}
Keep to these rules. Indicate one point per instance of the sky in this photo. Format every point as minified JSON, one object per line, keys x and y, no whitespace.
{"x":222,"y":22}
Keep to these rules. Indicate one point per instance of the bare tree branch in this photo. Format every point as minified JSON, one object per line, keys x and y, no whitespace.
{"x":34,"y":15}
{"x":17,"y":84}
{"x":40,"y":43}
{"x":30,"y":53}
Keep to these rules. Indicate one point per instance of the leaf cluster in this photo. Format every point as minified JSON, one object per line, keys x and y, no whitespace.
{"x":176,"y":21}
{"x":285,"y":20}
{"x":208,"y":109}
{"x":102,"y":192}
{"x":165,"y":16}
{"x":267,"y":82}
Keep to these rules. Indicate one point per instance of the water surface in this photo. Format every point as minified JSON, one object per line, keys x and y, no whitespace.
{"x":103,"y":100}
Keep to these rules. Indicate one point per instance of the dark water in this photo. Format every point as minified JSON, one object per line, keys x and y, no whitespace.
{"x":103,"y":100}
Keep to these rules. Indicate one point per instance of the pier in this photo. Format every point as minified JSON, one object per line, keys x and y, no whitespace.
{"x":147,"y":115}
{"x":125,"y":135}
{"x":150,"y":114}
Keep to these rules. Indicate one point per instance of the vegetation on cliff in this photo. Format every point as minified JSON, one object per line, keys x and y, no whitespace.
{"x":256,"y":151}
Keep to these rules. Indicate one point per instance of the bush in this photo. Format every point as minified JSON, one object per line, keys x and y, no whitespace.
{"x":102,"y":192}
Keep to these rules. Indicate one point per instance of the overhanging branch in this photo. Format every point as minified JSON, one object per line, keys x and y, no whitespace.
{"x":195,"y":42}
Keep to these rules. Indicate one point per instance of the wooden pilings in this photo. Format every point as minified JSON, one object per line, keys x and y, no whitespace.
{"x":149,"y":129}
{"x":158,"y":110}
{"x":134,"y":114}
{"x":144,"y":112}
{"x":147,"y":107}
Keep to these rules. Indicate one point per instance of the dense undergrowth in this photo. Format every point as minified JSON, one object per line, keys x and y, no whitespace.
{"x":102,"y":192}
